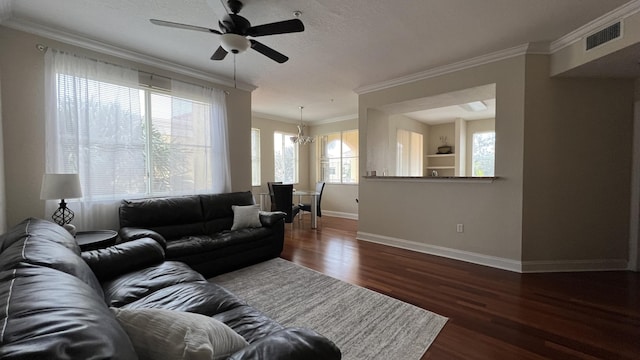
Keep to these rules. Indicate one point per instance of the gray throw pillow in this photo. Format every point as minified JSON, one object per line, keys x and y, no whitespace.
{"x":246,"y":216}
{"x":158,"y":334}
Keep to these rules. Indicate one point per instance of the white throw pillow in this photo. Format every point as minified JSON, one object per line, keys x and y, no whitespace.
{"x":158,"y":334}
{"x":246,"y":216}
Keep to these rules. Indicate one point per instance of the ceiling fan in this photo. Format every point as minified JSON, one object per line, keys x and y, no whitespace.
{"x":235,"y":30}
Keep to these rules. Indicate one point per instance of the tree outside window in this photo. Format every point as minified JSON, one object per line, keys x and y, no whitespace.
{"x":483,"y":154}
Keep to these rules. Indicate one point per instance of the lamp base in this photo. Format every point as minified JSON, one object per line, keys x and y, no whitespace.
{"x":63,"y":215}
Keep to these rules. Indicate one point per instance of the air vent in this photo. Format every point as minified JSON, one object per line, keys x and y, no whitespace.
{"x":605,"y":35}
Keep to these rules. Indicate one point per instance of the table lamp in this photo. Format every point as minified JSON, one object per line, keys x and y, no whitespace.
{"x":61,"y":186}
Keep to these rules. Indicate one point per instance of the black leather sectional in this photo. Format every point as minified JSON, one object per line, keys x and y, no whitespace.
{"x":195,"y":229}
{"x":55,"y":300}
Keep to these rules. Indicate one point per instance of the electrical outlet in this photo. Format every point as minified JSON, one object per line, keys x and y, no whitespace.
{"x":460,"y":228}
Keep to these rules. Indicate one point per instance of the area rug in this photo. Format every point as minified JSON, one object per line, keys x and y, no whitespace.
{"x":362,"y":323}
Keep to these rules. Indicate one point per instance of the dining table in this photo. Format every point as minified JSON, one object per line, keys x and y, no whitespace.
{"x":314,"y":195}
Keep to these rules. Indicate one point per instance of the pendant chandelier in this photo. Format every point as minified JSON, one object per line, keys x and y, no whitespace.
{"x":301,"y":138}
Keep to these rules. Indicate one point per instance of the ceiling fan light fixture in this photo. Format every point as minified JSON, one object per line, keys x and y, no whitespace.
{"x":234,"y":43}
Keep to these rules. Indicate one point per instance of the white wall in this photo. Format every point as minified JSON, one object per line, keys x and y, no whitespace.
{"x":561,"y":202}
{"x":422,"y":215}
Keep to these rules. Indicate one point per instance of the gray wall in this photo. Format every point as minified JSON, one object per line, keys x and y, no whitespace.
{"x":423,"y":215}
{"x":564,"y":162}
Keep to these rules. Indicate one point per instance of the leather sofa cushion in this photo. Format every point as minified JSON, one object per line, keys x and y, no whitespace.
{"x":54,"y":315}
{"x":199,"y":297}
{"x":134,"y":233}
{"x":292,"y":343}
{"x":156,"y":212}
{"x":140,"y":283}
{"x":40,"y":242}
{"x":120,"y":259}
{"x":219,"y":205}
{"x":249,"y":322}
{"x":193,"y":245}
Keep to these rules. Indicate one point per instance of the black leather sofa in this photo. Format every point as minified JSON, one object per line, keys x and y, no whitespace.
{"x":56,"y":300}
{"x":196,"y":230}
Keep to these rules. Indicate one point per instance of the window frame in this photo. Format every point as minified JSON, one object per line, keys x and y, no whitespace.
{"x":286,"y":139}
{"x":146,"y":93}
{"x":322,"y":159}
{"x":473,"y":151}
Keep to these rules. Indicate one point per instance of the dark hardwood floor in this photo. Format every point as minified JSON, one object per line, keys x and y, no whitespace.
{"x":493,"y":314}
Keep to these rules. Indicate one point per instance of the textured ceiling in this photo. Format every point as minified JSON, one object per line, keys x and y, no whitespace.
{"x":346,"y":44}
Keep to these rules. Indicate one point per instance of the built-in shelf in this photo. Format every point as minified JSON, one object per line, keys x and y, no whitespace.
{"x":441,"y":155}
{"x":440,"y":162}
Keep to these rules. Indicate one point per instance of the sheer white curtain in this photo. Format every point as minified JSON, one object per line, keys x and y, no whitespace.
{"x":128,"y":141}
{"x":215,"y":126}
{"x":93,"y":121}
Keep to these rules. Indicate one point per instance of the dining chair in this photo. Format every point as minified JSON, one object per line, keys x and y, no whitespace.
{"x":307,"y":207}
{"x":271,"y":197}
{"x":283,"y":200}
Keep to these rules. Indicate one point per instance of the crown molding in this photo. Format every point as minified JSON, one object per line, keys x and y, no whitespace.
{"x":104,"y":48}
{"x":274,"y":117}
{"x":446,"y":69}
{"x":336,"y":119}
{"x":605,"y":20}
{"x":306,"y":122}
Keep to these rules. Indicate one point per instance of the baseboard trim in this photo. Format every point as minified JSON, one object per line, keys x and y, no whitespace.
{"x":339,"y":214}
{"x":575,"y":265}
{"x":498,"y":262}
{"x":475,"y":258}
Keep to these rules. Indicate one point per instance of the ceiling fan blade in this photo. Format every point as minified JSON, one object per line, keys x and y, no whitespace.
{"x":268,"y":52}
{"x":280,"y":27}
{"x":219,"y":54}
{"x":183,"y":26}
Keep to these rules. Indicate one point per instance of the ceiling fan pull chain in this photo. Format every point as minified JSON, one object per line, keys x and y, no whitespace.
{"x":235,"y":85}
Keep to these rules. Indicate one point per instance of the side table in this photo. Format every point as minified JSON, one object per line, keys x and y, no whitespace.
{"x":96,"y":239}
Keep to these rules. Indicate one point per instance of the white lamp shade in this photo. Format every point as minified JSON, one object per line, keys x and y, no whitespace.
{"x":60,"y":186}
{"x":234,"y":43}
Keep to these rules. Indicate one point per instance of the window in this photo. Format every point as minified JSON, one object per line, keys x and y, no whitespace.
{"x":127,"y":140}
{"x":483,"y":153}
{"x":255,"y":157}
{"x":409,"y":153}
{"x":339,"y":157}
{"x":285,"y":154}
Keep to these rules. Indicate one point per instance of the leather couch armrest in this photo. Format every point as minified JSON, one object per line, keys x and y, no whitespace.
{"x":290,"y":343}
{"x":122,"y":258}
{"x":270,"y":218}
{"x":133,"y":233}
